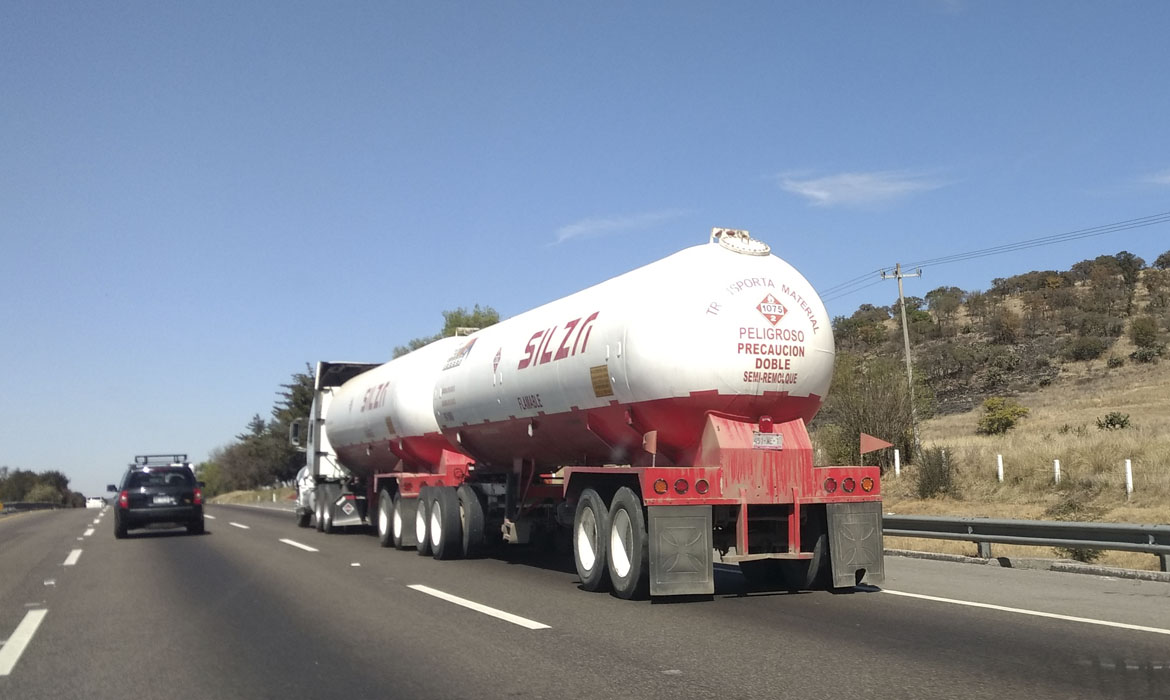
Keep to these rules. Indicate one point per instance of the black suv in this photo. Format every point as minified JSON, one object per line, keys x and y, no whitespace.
{"x":158,"y":493}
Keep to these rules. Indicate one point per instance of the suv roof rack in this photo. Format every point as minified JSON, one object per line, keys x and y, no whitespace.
{"x":158,"y":460}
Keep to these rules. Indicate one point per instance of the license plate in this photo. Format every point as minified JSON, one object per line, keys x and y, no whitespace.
{"x":768,"y":441}
{"x":164,"y":500}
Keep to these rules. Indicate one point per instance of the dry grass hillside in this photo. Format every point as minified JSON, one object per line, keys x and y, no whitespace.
{"x":1061,"y":425}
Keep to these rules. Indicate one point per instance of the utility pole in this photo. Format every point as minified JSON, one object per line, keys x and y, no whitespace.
{"x":898,"y":274}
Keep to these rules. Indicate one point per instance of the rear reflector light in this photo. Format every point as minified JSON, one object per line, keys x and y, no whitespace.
{"x":681,"y":486}
{"x":867,"y":484}
{"x":349,"y":497}
{"x":198,"y":496}
{"x":660,"y":487}
{"x":830,"y":485}
{"x":124,"y":499}
{"x":701,"y":486}
{"x":848,"y":484}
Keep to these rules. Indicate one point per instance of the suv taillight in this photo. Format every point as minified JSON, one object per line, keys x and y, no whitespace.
{"x":124,"y":499}
{"x":198,"y":496}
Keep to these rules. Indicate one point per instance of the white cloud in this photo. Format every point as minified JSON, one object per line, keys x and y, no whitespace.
{"x":1162,"y":178}
{"x":858,"y":189}
{"x":589,"y":228}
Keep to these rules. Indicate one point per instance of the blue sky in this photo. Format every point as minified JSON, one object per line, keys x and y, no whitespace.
{"x":197,"y":198}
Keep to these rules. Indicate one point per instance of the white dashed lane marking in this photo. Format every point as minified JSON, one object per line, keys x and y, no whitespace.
{"x":88,"y":532}
{"x":72,"y":558}
{"x":242,"y":527}
{"x":298,"y":545}
{"x":11,"y":651}
{"x":1035,"y":613}
{"x":479,"y":607}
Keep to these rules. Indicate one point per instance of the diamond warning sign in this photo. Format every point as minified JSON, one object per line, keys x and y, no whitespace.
{"x":772,"y":309}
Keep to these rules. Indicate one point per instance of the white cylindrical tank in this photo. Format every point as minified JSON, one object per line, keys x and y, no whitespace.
{"x":385,"y":414}
{"x":724,"y":327}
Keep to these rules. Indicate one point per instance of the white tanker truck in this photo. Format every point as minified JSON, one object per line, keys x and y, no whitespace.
{"x":654,"y":418}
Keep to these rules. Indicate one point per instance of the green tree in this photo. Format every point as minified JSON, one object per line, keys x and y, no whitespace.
{"x":1000,"y":415}
{"x":869,"y":395}
{"x":1163,"y":261}
{"x":453,"y":321}
{"x":1143,"y":331}
{"x":44,"y":492}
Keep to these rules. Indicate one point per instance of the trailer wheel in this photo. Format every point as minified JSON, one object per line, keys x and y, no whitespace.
{"x":590,"y":534}
{"x":319,"y":504}
{"x":472,"y":519}
{"x":629,"y":546}
{"x":422,"y":517}
{"x":385,"y":518}
{"x":445,"y":529}
{"x":403,"y":520}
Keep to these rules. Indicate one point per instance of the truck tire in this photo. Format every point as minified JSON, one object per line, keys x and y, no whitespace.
{"x":422,"y":518}
{"x":629,"y":546}
{"x":402,"y":522}
{"x":319,"y":514}
{"x":472,"y":520}
{"x":590,"y":535}
{"x":327,"y":512}
{"x":385,"y":516}
{"x":446,"y":531}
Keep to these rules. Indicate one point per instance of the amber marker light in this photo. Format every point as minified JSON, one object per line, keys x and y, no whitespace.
{"x":660,"y":487}
{"x":867,"y":484}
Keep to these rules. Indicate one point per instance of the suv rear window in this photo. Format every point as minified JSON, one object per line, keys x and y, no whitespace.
{"x":160,"y":477}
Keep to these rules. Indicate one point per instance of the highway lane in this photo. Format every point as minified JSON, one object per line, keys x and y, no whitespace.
{"x":238,"y":613}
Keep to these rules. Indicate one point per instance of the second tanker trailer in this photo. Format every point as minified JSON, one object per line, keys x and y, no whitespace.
{"x":655,"y":418}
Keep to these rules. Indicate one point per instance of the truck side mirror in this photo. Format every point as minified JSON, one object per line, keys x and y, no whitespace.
{"x":294,"y":432}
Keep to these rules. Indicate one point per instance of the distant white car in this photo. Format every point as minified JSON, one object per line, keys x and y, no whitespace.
{"x":94,"y":502}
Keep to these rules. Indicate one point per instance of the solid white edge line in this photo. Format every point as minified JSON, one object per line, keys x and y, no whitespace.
{"x":242,"y":527}
{"x":10,"y":652}
{"x":298,"y":545}
{"x":500,"y":614}
{"x":1035,"y":613}
{"x":72,"y":558}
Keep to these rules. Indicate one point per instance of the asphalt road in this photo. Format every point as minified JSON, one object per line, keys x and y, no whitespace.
{"x":238,"y":613}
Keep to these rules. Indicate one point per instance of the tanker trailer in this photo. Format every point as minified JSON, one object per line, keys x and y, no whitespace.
{"x":655,"y":418}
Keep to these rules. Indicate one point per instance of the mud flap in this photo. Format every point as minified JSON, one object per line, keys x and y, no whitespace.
{"x":855,"y":542}
{"x":680,"y":550}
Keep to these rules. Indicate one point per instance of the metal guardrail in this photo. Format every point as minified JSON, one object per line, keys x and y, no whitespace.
{"x":1152,"y":539}
{"x":19,"y":507}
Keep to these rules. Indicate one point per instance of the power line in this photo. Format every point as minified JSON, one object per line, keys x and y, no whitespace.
{"x":855,"y":285}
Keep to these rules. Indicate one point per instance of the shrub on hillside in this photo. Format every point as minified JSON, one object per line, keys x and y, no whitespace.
{"x":1114,"y":362}
{"x":1113,"y":421}
{"x":999,"y":416}
{"x":1146,"y":355}
{"x":1076,"y":504}
{"x":936,"y":474}
{"x":1144,"y":332}
{"x":1081,"y":349}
